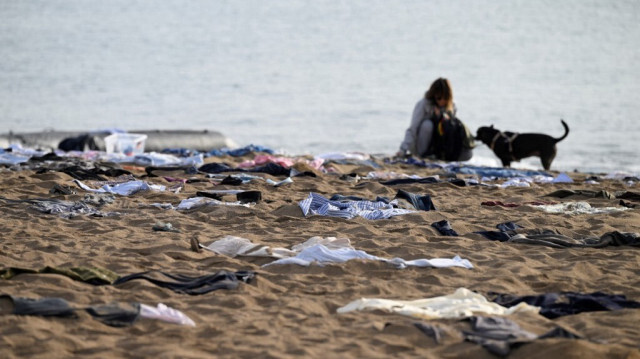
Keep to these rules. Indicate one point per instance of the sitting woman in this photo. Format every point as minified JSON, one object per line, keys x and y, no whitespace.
{"x":435,"y":132}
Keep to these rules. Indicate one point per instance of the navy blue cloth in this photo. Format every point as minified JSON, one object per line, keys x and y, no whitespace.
{"x":46,"y":307}
{"x":444,"y":227}
{"x":341,"y":198}
{"x":410,"y":180}
{"x":240,"y":151}
{"x":473,"y":170}
{"x":115,"y":315}
{"x":181,"y":152}
{"x":496,"y":171}
{"x":270,"y":168}
{"x":495,"y":235}
{"x":192,"y":285}
{"x":499,"y":334}
{"x":508,"y":226}
{"x":507,"y":230}
{"x":215,"y":167}
{"x":554,"y":305}
{"x":186,"y":169}
{"x":421,"y":202}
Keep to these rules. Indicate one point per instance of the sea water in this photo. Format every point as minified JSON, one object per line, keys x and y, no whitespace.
{"x":324,"y":76}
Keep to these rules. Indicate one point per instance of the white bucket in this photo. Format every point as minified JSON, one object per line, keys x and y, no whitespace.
{"x":130,"y":144}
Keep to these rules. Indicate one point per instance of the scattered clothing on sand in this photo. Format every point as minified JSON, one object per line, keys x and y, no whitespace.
{"x":321,"y":251}
{"x":93,"y":172}
{"x":391,"y":175}
{"x":462,"y":303}
{"x":550,"y":238}
{"x":241,"y":195}
{"x":67,"y":209}
{"x":564,"y":193}
{"x":320,"y":254}
{"x":10,"y":158}
{"x":507,"y":230}
{"x":177,"y":282}
{"x":621,"y":195}
{"x":498,"y":335}
{"x":123,"y":189}
{"x":628,"y":204}
{"x":195,"y":202}
{"x":554,"y":305}
{"x":64,"y":209}
{"x":238,"y":152}
{"x":114,"y":314}
{"x":514,"y":205}
{"x":578,"y":208}
{"x":317,"y":204}
{"x":430,"y":180}
{"x":185,"y":169}
{"x":287,"y":180}
{"x":244,"y":177}
{"x":273,"y":169}
{"x":497,"y":172}
{"x":164,"y":227}
{"x":91,"y":275}
{"x":164,"y":159}
{"x":98,"y":199}
{"x":192,"y":285}
{"x":288,"y":162}
{"x":633,"y":196}
{"x":397,"y":181}
{"x":233,"y":246}
{"x":508,"y":226}
{"x":62,"y":190}
{"x":419,"y":202}
{"x":444,"y":228}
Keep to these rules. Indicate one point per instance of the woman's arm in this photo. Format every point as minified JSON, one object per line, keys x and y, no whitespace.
{"x":419,"y":112}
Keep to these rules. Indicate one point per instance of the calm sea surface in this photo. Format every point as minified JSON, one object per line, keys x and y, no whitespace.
{"x":323,"y":76}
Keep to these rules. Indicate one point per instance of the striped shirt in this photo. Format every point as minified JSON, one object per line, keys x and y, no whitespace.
{"x":316,"y":204}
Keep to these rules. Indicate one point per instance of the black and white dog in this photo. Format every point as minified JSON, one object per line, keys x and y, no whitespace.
{"x":510,"y":146}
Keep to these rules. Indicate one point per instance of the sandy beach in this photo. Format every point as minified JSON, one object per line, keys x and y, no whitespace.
{"x":291,"y":310}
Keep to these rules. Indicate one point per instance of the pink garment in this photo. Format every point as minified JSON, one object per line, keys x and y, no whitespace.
{"x":282,"y":161}
{"x":263,"y":159}
{"x":316,"y":163}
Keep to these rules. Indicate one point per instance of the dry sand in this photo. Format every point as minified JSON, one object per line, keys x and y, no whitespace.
{"x":290,"y":311}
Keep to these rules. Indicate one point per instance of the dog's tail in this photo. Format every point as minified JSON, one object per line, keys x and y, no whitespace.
{"x":566,"y":131}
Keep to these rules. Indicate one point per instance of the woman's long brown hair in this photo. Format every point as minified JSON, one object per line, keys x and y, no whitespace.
{"x":441,"y":89}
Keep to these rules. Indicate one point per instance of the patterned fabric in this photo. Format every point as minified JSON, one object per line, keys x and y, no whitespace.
{"x":316,"y":204}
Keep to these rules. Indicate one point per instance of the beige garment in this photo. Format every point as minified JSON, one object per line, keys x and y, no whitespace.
{"x":237,"y":246}
{"x":578,"y":208}
{"x":462,"y":303}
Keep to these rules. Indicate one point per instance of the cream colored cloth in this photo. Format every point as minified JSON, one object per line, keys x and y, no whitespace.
{"x":237,"y":246}
{"x":578,"y":208}
{"x":462,"y":303}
